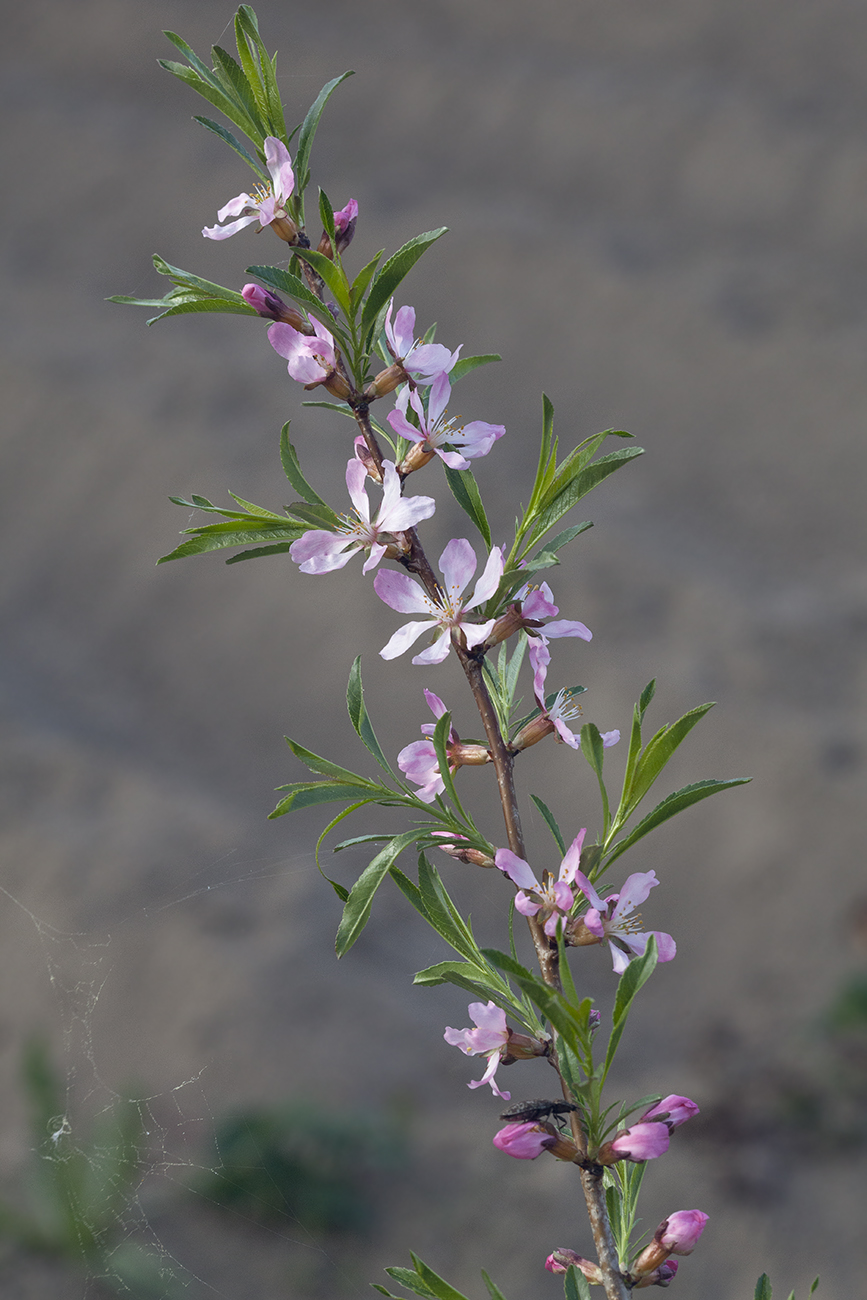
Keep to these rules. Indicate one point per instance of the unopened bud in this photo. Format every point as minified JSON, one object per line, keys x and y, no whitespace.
{"x":506,"y":625}
{"x":676,"y":1235}
{"x":472,"y":857}
{"x":462,"y":755}
{"x":527,"y":1141}
{"x":559,"y":1261}
{"x":521,"y":1047}
{"x":344,"y":229}
{"x":536,"y":730}
{"x":418,"y":455}
{"x":272,"y":307}
{"x":386,"y":382}
{"x":639,"y":1143}
{"x":335,"y":384}
{"x":662,"y":1276}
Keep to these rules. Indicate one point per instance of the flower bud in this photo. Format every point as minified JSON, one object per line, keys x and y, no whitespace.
{"x":672,"y":1110}
{"x":472,"y":857}
{"x":535,"y":730}
{"x":506,"y":625}
{"x":335,"y":384}
{"x":386,"y":382}
{"x":559,"y":1261}
{"x":520,"y":1047}
{"x":272,"y":307}
{"x":527,"y":1141}
{"x":639,"y":1143}
{"x":462,"y":755}
{"x":662,"y":1276}
{"x":418,"y":456}
{"x":344,"y":229}
{"x":676,"y":1235}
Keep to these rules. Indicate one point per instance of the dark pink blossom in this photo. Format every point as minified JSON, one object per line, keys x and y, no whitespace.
{"x":524,"y":1141}
{"x":611,"y":919}
{"x":458,"y":564}
{"x":324,"y":550}
{"x":680,"y":1231}
{"x":640,"y":1142}
{"x":489,"y":1038}
{"x":555,"y":898}
{"x":266,"y":204}
{"x":475,"y":439}
{"x":672,"y":1110}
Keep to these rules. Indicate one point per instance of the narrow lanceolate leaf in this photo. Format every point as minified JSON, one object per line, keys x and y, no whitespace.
{"x":411,"y":1282}
{"x":234,"y":143}
{"x":326,"y":768}
{"x":307,"y":794}
{"x":575,"y":1285}
{"x":308,"y":130}
{"x":657,"y":753}
{"x":333,"y":275}
{"x":285,"y":282}
{"x":569,"y":1021}
{"x":763,"y":1288}
{"x":358,"y":905}
{"x":438,"y":1286}
{"x":466,"y":492}
{"x":397,"y":266}
{"x":555,"y":507}
{"x":633,"y":979}
{"x":292,"y":470}
{"x":465,"y":365}
{"x":547,"y":556}
{"x":238,"y":87}
{"x":259,"y":552}
{"x":215,"y":537}
{"x":673,"y":804}
{"x":359,"y":716}
{"x":493,"y":1290}
{"x":551,"y":822}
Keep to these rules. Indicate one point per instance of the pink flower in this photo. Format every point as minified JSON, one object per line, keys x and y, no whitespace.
{"x":524,"y":1141}
{"x":476,"y":438}
{"x":537,"y":603}
{"x":265,"y":205}
{"x":672,"y":1110}
{"x":422,"y":361}
{"x":312,"y":360}
{"x":555,"y":898}
{"x":680,"y":1231}
{"x":641,"y":1142}
{"x":458,"y":564}
{"x":489,"y":1038}
{"x":323,"y":550}
{"x":419,"y":762}
{"x":611,"y":919}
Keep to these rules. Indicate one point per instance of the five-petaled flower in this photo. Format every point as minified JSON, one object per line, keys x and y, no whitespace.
{"x":421,"y":361}
{"x":554,"y":898}
{"x":554,"y":717}
{"x":611,"y":919}
{"x":530,"y":606}
{"x":435,"y":431}
{"x":419,"y":760}
{"x":489,"y":1038}
{"x":265,"y":205}
{"x":458,"y":564}
{"x":324,"y":550}
{"x":310,"y":360}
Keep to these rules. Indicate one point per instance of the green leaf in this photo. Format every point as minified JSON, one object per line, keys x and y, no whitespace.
{"x":547,"y":556}
{"x":466,"y":492}
{"x":234,"y":143}
{"x":576,"y":1285}
{"x":309,"y":794}
{"x":442,"y":913}
{"x":397,"y":266}
{"x":438,"y":1286}
{"x":332,"y":273}
{"x":493,"y":1290}
{"x":214,"y":537}
{"x":360,"y":901}
{"x":292,"y":470}
{"x":285,"y":282}
{"x":362,"y":280}
{"x":636,"y":975}
{"x":237,"y":86}
{"x":550,"y":822}
{"x":465,"y":365}
{"x":258,"y":553}
{"x":569,"y":1021}
{"x":217,"y":96}
{"x":763,"y":1288}
{"x":359,"y":717}
{"x":659,"y":750}
{"x":308,"y":131}
{"x":673,"y":804}
{"x":554,"y":507}
{"x":325,"y":768}
{"x":411,"y":1282}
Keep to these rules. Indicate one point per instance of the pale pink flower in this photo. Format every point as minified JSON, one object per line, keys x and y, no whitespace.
{"x":489,"y":1038}
{"x":555,"y":898}
{"x":476,"y":438}
{"x":564,"y":708}
{"x":458,"y":564}
{"x":422,"y":361}
{"x":611,"y":919}
{"x":537,"y":603}
{"x":418,"y":761}
{"x":524,"y":1141}
{"x":266,"y":204}
{"x":324,"y":550}
{"x":310,"y":360}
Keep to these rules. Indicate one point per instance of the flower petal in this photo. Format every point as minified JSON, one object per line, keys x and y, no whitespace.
{"x":404,"y":637}
{"x":400,"y":592}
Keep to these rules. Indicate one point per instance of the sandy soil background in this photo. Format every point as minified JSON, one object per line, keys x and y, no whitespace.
{"x":658,"y":212}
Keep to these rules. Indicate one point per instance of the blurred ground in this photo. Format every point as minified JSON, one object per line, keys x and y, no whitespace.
{"x":658,"y":212}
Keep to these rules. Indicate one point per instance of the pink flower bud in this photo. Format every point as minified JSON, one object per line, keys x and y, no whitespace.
{"x":272,"y":307}
{"x":672,"y":1110}
{"x":527,"y":1141}
{"x":344,"y":229}
{"x":560,"y":1260}
{"x":662,"y":1276}
{"x":639,"y":1143}
{"x":680,"y":1232}
{"x":386,"y":382}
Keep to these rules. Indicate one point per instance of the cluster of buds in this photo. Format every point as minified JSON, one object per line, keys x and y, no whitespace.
{"x":650,"y":1137}
{"x":676,"y":1235}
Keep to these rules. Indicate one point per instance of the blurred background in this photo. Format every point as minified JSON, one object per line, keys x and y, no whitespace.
{"x":658,"y":212}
